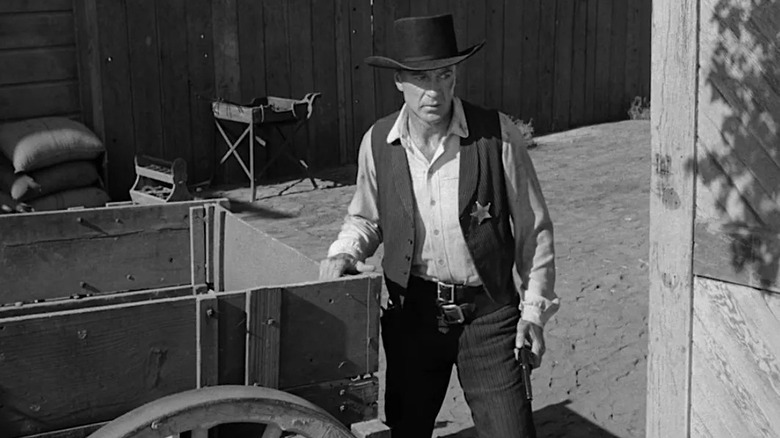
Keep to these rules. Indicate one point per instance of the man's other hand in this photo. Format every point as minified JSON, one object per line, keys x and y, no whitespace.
{"x":340,"y":264}
{"x":528,"y":332}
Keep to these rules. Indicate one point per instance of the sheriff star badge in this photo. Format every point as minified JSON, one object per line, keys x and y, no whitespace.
{"x":481,"y":212}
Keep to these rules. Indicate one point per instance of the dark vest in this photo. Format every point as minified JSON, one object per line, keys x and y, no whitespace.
{"x":481,"y":180}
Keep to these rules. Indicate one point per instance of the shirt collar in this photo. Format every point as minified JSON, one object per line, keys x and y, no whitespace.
{"x":457,"y":126}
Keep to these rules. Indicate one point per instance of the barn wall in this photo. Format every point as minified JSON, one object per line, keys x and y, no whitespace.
{"x":38,"y":61}
{"x":714,"y":359}
{"x":142,"y":73}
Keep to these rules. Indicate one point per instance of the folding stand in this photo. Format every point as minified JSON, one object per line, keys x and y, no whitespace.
{"x":274,"y":111}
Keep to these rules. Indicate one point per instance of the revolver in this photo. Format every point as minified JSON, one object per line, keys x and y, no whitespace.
{"x":524,"y":357}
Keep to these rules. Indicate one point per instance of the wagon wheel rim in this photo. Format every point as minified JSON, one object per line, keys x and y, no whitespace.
{"x":205,"y":408}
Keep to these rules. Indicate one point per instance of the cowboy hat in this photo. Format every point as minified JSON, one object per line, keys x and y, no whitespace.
{"x":423,"y":43}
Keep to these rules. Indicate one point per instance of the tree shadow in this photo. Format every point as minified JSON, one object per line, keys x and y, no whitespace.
{"x":554,"y":421}
{"x":738,"y":150}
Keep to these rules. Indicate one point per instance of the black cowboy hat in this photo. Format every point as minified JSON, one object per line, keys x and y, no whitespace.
{"x":423,"y":43}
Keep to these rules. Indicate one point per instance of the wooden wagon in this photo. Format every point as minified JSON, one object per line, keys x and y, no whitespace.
{"x":105,"y":310}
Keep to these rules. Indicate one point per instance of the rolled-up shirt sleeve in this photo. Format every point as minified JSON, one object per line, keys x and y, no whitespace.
{"x":532,"y":228}
{"x":360,"y":234}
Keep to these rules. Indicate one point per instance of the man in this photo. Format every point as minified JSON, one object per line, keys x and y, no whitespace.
{"x":451,"y":191}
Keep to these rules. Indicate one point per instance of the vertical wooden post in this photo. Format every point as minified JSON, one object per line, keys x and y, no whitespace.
{"x":85,"y":18}
{"x":672,"y":198}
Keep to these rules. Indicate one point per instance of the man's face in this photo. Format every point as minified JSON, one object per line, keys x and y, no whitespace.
{"x":428,"y":94}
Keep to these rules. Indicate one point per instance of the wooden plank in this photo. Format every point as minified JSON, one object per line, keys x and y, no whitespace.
{"x":362,"y":74}
{"x":16,"y":6}
{"x":618,"y":107}
{"x":207,"y":341}
{"x":251,"y":48}
{"x":736,"y":127}
{"x":326,"y":331}
{"x":264,"y":313}
{"x":277,"y":74}
{"x":325,"y":123}
{"x":117,"y":97}
{"x":232,"y":318}
{"x":38,"y":65}
{"x":513,"y":92}
{"x":736,"y":371}
{"x":143,"y":43}
{"x":564,"y":30}
{"x":752,"y":174}
{"x":475,"y":66}
{"x":494,"y":53}
{"x":717,"y":200}
{"x":89,"y":64}
{"x":603,"y":61}
{"x":174,"y":80}
{"x":671,"y":217}
{"x":737,"y":254}
{"x":89,"y":300}
{"x":301,"y":69}
{"x":72,"y":368}
{"x":251,"y":258}
{"x":344,"y":83}
{"x":530,"y":69}
{"x":198,"y":248}
{"x":37,"y":30}
{"x":462,"y":22}
{"x":349,"y":401}
{"x":200,"y":53}
{"x":135,"y":247}
{"x":39,"y":100}
{"x":590,"y":61}
{"x":227,"y":69}
{"x":546,"y":68}
{"x":645,"y":49}
{"x":577,"y":115}
{"x":252,"y":67}
{"x":633,"y":75}
{"x":218,"y":245}
{"x":387,"y":97}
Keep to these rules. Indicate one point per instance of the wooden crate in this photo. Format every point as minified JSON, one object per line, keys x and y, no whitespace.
{"x":107,"y":309}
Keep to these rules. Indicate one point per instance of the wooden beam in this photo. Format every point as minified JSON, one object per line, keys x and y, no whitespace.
{"x":737,"y":254}
{"x":207,"y":334}
{"x":674,"y":91}
{"x":88,"y":47}
{"x":264,"y":311}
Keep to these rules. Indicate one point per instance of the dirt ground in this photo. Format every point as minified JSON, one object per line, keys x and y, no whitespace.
{"x":596,"y":181}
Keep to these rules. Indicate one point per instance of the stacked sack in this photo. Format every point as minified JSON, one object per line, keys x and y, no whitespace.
{"x":49,"y":163}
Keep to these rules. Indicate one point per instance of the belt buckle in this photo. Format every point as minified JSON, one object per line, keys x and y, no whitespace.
{"x":451,"y":312}
{"x":445,"y":293}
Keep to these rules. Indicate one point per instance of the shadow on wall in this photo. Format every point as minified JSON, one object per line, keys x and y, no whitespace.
{"x":738,"y":149}
{"x":555,"y":421}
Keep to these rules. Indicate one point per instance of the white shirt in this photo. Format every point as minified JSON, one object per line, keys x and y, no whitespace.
{"x":440,"y":248}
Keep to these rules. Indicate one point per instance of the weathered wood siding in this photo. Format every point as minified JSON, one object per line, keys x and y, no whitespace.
{"x":735,"y":376}
{"x":714,"y":365}
{"x":671,"y":217}
{"x":38,"y":61}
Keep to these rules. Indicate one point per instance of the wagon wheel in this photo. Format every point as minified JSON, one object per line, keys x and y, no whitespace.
{"x":283,"y":414}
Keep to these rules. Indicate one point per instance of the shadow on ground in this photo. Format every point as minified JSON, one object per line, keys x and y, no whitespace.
{"x":554,"y":421}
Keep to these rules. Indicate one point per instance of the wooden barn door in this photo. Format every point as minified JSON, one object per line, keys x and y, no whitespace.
{"x":735,"y":374}
{"x":714,"y":350}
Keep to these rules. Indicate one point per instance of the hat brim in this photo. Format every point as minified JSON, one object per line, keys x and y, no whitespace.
{"x":433,"y":64}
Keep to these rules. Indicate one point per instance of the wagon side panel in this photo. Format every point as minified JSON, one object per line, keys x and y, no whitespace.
{"x":72,"y":368}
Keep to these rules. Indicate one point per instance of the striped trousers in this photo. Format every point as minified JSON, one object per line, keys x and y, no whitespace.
{"x":420,"y":359}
